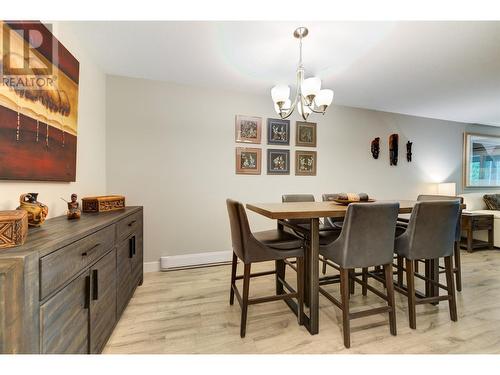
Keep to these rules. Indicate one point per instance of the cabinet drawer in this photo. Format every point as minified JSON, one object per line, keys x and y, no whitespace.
{"x":59,"y":266}
{"x":129,"y":225}
{"x":482,"y":223}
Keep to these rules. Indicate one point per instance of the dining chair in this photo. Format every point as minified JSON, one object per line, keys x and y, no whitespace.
{"x":430,"y":235}
{"x":302,"y":226}
{"x":261,"y":247}
{"x":366,"y":240}
{"x":457,"y":269}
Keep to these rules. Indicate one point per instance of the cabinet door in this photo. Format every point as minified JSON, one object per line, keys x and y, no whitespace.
{"x":64,"y":319}
{"x":103,"y":301}
{"x":124,"y":275}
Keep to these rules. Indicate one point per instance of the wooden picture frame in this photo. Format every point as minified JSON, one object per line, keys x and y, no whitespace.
{"x":248,"y":129}
{"x":306,"y":163}
{"x":278,"y":132}
{"x":481,"y":154}
{"x":278,"y":161}
{"x":305,"y":134}
{"x":248,"y":160}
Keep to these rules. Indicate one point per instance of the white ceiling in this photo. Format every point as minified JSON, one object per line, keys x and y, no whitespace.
{"x":445,"y":70}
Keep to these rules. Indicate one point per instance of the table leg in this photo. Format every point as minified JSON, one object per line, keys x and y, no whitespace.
{"x":280,"y":269}
{"x":312,"y":280}
{"x":469,"y":239}
{"x":490,"y":238}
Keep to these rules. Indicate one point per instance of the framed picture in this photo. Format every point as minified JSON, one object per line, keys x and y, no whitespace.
{"x":481,"y":160}
{"x":305,"y":163}
{"x":38,"y":105}
{"x":248,"y":129}
{"x":278,"y":132}
{"x":305,"y":134}
{"x":278,"y":161}
{"x":248,"y":160}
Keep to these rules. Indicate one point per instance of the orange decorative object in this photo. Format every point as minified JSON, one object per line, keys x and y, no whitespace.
{"x":103,"y":203}
{"x":37,"y":212}
{"x":13,"y":228}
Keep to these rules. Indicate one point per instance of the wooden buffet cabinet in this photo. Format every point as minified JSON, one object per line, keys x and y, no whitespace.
{"x":64,"y":290}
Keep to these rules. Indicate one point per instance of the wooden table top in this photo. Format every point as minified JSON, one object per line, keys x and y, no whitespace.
{"x":309,"y":210}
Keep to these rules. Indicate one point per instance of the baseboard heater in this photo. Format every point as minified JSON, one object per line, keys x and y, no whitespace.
{"x":175,"y":262}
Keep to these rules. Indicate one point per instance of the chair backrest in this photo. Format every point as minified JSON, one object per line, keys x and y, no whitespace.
{"x":240,"y":229}
{"x":428,"y":197}
{"x":432,"y":229}
{"x":285,"y":198}
{"x":367,"y":237}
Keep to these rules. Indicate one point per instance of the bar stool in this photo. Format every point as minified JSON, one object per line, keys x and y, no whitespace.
{"x":261,"y":247}
{"x":457,"y":269}
{"x":430,"y":235}
{"x":366,"y":240}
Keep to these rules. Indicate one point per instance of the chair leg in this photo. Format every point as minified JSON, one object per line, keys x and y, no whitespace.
{"x":458,"y":266}
{"x":344,"y":291}
{"x":234,"y":266}
{"x":323,"y":269}
{"x":364,"y":277}
{"x":300,"y":289}
{"x":416,"y":266}
{"x":410,"y":282}
{"x":244,"y":306}
{"x":352,"y":285}
{"x":389,"y":286}
{"x":400,"y":271}
{"x":450,"y":283}
{"x":280,"y":273}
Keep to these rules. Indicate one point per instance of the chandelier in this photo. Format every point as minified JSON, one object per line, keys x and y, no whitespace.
{"x":309,"y":97}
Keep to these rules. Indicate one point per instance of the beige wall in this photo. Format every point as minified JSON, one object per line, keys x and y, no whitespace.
{"x":91,"y":153}
{"x":171,"y":148}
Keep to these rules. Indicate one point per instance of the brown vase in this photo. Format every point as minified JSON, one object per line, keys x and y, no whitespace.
{"x":37,"y":212}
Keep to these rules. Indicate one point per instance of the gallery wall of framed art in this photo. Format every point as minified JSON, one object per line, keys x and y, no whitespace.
{"x":278,"y":156}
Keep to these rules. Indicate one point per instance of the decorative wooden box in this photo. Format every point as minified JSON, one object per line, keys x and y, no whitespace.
{"x":13,"y":228}
{"x":103,"y":203}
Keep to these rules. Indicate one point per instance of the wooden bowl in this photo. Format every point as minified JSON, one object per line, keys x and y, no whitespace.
{"x":345,"y":202}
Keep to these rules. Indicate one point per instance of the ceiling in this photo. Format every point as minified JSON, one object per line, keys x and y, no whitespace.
{"x":445,"y":70}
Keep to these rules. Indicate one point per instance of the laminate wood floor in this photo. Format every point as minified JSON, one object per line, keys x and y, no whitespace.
{"x":188,"y":311}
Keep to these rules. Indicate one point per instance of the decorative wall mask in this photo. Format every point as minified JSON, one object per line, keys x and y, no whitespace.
{"x":375,"y":147}
{"x":408,"y":151}
{"x":393,"y":149}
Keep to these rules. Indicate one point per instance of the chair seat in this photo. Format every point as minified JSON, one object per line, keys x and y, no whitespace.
{"x":278,"y":239}
{"x":328,"y":237}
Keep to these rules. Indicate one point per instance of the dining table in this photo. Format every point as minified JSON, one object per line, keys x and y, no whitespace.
{"x":311,"y":212}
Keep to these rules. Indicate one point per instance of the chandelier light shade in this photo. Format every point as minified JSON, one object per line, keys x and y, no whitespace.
{"x":309,"y":97}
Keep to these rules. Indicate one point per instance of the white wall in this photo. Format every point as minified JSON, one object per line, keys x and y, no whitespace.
{"x":171,"y":148}
{"x":91,"y":153}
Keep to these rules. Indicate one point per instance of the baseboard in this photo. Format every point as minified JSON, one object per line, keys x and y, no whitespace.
{"x":151,"y":266}
{"x":194,"y":260}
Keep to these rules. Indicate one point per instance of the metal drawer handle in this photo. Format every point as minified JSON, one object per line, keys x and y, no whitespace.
{"x":85,"y":253}
{"x":132,"y":223}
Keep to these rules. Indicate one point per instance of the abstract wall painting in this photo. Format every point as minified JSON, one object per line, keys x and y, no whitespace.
{"x":278,"y":132}
{"x":38,"y":104}
{"x":278,"y":161}
{"x":248,"y":160}
{"x":305,"y":134}
{"x":305,"y":163}
{"x":248,"y":129}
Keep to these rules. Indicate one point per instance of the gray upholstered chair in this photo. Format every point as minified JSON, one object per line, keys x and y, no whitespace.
{"x":366,"y":240}
{"x":260,"y":247}
{"x":327,"y":232}
{"x":430,"y":235}
{"x":457,"y":269}
{"x":332,"y":221}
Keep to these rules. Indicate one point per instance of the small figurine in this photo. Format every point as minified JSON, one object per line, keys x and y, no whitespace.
{"x":375,"y":147}
{"x":393,"y":149}
{"x":73,"y":208}
{"x":37,"y":212}
{"x":408,"y":151}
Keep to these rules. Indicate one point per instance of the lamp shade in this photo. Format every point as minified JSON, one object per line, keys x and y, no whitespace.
{"x":280,"y":93}
{"x":307,"y":110}
{"x":311,"y":86}
{"x":447,"y":188}
{"x":324,"y":97}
